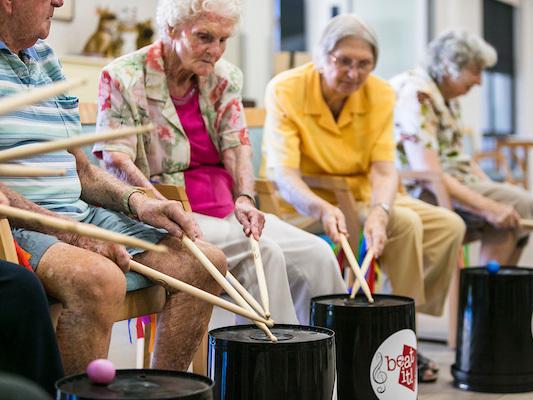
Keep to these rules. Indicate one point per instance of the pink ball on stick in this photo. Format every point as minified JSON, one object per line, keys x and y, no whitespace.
{"x":101,"y":371}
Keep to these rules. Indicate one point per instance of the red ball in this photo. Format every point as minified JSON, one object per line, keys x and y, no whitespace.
{"x":101,"y":371}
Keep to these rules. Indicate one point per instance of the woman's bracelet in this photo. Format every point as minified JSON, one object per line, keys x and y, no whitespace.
{"x":249,"y":195}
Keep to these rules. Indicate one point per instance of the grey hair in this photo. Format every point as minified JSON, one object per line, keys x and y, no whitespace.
{"x":453,"y":50}
{"x":340,"y":27}
{"x":171,"y":13}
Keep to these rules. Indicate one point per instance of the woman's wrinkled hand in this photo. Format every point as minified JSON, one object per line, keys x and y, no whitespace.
{"x":333,"y":222}
{"x":375,"y":230}
{"x":251,"y":219}
{"x":502,"y":215}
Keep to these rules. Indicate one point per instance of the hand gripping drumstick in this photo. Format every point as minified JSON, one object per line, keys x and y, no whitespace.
{"x":176,"y":284}
{"x":364,"y":268}
{"x":261,"y":280}
{"x":230,"y":290}
{"x":22,"y":170}
{"x":47,"y":147}
{"x":79,"y":228}
{"x":25,"y":98}
{"x":526,"y":223}
{"x":355,"y":267}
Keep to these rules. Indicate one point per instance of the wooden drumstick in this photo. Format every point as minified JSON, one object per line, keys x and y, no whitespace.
{"x":22,"y":170}
{"x":526,"y":223}
{"x":176,"y":284}
{"x":364,"y":268}
{"x":261,"y":280}
{"x":79,"y":228}
{"x":47,"y":147}
{"x":219,"y":278}
{"x":245,"y":294}
{"x":25,"y":98}
{"x":355,"y":267}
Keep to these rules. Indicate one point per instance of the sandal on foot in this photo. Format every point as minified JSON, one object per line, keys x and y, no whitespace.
{"x":421,"y":359}
{"x":425,"y":373}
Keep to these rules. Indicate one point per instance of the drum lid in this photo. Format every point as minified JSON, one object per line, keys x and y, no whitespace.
{"x":286,"y":334}
{"x":360,"y":301}
{"x":137,"y":384}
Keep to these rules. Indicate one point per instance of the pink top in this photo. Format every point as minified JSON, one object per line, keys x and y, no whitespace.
{"x":207,"y":183}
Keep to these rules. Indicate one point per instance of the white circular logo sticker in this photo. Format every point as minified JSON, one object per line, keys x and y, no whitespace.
{"x":393,"y":372}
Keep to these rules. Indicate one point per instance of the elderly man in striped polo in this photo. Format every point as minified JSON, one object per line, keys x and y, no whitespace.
{"x":86,"y":275}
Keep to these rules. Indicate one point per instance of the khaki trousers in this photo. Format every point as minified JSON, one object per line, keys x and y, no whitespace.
{"x":298,"y":265}
{"x":421,"y":251}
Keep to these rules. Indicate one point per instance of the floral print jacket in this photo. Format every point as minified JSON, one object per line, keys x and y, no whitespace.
{"x":133,"y":91}
{"x":423,"y":116}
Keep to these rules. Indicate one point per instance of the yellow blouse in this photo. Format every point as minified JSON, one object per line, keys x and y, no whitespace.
{"x":301,"y":132}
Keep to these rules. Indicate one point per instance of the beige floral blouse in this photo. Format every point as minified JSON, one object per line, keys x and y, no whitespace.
{"x":423,"y":116}
{"x":133,"y":91}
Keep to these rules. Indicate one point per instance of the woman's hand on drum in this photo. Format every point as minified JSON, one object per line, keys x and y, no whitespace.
{"x":375,"y":230}
{"x":333,"y":222}
{"x":166,"y":214}
{"x":251,"y":219}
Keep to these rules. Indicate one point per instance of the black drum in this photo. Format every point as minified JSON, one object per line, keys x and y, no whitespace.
{"x":246,"y":365}
{"x":138,"y":384}
{"x":376,"y":345}
{"x":494,"y":331}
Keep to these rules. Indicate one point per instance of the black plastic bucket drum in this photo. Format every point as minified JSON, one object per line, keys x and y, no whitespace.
{"x":375,"y":343}
{"x":246,"y":365}
{"x":494,"y":331}
{"x":138,"y":384}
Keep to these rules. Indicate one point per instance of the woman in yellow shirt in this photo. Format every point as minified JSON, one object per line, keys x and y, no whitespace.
{"x":333,"y":117}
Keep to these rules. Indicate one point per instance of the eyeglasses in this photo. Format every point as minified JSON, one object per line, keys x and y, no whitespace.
{"x":345,"y":63}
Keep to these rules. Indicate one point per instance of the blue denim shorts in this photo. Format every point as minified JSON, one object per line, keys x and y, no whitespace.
{"x":36,"y":243}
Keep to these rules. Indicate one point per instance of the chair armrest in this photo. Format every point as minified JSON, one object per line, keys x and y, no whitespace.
{"x":7,"y":245}
{"x":433,"y":181}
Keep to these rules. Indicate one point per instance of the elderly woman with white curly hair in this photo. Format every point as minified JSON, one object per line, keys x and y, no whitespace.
{"x":429,"y":133}
{"x":193,"y":97}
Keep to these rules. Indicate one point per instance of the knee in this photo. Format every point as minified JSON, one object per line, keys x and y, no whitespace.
{"x":408,"y":223}
{"x":102,"y":283}
{"x":215,"y":255}
{"x":455,"y":225}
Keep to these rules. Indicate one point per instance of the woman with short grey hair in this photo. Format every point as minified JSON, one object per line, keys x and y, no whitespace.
{"x":334,"y":117}
{"x":345,"y":25}
{"x":429,"y":132}
{"x":183,"y":86}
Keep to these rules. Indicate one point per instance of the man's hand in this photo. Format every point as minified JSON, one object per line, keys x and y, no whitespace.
{"x":333,"y":222}
{"x":115,"y":252}
{"x":251,"y":219}
{"x":165,"y":214}
{"x":375,"y":230}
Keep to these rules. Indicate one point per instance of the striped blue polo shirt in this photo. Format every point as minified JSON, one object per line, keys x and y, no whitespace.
{"x":55,"y":118}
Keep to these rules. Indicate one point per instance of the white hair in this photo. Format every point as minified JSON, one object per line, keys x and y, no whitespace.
{"x":453,"y":50}
{"x":171,"y":13}
{"x":340,"y":27}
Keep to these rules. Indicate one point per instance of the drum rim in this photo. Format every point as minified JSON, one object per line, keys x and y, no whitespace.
{"x":205,"y":379}
{"x":317,"y":299}
{"x":477,"y":269}
{"x":226,"y":342}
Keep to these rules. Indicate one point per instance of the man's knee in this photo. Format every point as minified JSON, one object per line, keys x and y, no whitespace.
{"x":454,"y":224}
{"x":100,"y":283}
{"x":215,"y":255}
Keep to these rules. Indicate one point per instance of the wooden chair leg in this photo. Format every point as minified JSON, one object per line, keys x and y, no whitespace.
{"x":147,"y":338}
{"x":453,"y":303}
{"x":199,"y":362}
